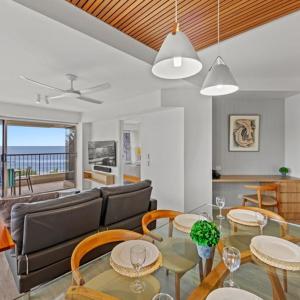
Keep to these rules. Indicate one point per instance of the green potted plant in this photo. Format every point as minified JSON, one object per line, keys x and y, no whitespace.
{"x":284,"y":171}
{"x":206,"y":235}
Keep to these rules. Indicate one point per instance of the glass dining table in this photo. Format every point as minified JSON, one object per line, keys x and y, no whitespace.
{"x":253,"y":275}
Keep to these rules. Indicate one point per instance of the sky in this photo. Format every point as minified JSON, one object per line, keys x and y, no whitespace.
{"x":34,"y":136}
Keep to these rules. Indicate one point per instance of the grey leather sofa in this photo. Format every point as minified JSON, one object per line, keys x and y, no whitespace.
{"x":46,"y":232}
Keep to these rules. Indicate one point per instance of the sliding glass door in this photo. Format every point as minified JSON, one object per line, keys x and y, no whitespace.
{"x":3,"y":160}
{"x":36,"y":157}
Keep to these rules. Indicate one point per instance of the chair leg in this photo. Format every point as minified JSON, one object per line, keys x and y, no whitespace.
{"x":244,"y":202}
{"x":28,"y":185}
{"x":177,"y":285}
{"x":285,"y":282}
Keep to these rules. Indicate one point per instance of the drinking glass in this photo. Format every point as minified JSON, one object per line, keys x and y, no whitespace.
{"x":137,"y":259}
{"x":232,"y":259}
{"x":162,"y":296}
{"x":262,"y":221}
{"x":220,"y":201}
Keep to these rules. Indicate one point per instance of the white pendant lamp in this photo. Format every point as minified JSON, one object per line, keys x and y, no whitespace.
{"x":219,"y":80}
{"x":177,"y":57}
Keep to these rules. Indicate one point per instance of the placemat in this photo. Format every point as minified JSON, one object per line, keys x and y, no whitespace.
{"x":275,"y":262}
{"x":132,"y":273}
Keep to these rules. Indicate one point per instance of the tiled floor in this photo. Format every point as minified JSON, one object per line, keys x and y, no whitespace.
{"x":39,"y":188}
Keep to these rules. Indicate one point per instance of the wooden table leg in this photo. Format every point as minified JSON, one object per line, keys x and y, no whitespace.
{"x":208,"y":266}
{"x":201,"y":274}
{"x":278,"y":293}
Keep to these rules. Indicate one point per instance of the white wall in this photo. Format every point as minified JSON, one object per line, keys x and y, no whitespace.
{"x":292,"y":134}
{"x":86,"y":137}
{"x":270,"y":156}
{"x":197,"y":143}
{"x":8,"y":110}
{"x":108,"y":130}
{"x":162,"y":138}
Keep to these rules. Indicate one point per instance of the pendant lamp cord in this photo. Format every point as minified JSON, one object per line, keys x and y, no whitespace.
{"x":218,"y":24}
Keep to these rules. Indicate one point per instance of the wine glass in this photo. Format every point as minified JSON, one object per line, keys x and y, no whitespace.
{"x":162,"y":296}
{"x":137,"y":259}
{"x":232,"y":259}
{"x":262,"y":221}
{"x":220,"y":201}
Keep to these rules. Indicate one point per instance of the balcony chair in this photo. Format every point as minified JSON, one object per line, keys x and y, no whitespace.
{"x":11,"y":181}
{"x":99,"y":286}
{"x":263,"y":197}
{"x":27,"y":178}
{"x":185,"y":259}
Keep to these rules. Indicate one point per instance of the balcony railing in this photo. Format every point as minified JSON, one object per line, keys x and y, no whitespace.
{"x":42,"y":163}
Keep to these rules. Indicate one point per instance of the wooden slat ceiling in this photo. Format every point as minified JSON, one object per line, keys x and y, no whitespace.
{"x":149,"y":21}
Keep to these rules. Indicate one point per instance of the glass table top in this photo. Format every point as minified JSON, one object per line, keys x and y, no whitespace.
{"x":253,"y":275}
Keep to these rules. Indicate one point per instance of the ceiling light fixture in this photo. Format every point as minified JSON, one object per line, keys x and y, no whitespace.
{"x":176,"y":58}
{"x":219,"y":80}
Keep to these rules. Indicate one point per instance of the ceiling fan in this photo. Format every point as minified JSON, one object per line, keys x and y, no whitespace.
{"x":71,"y":92}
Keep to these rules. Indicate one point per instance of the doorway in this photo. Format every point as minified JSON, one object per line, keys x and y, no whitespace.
{"x":131,"y":151}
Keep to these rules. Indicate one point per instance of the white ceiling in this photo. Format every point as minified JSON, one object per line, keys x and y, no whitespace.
{"x":263,"y":59}
{"x":45,"y":50}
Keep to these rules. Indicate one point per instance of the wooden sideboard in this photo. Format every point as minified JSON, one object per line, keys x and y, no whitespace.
{"x":289,"y":191}
{"x":101,"y":177}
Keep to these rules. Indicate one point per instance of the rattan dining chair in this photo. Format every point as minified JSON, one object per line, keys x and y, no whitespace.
{"x":92,"y":242}
{"x":273,"y":216}
{"x":263,"y":197}
{"x":176,"y":259}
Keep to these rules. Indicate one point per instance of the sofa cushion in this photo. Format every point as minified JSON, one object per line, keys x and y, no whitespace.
{"x":7,"y":204}
{"x":131,"y":201}
{"x":108,"y":192}
{"x":19,"y":211}
{"x":123,"y":189}
{"x":51,"y":227}
{"x":50,"y":255}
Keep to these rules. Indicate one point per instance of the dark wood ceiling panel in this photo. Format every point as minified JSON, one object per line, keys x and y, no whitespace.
{"x":149,"y":21}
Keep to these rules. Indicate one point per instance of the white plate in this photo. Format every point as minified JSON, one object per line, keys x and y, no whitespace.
{"x":188,"y":220}
{"x":121,"y":253}
{"x":231,"y":294}
{"x":276,"y":248}
{"x":243,"y":215}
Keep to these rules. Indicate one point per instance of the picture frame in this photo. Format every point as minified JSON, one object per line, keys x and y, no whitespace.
{"x":244,"y":132}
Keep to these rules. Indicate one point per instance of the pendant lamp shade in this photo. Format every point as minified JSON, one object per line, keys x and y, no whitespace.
{"x":176,"y":58}
{"x":219,"y":80}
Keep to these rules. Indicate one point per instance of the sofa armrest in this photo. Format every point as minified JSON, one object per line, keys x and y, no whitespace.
{"x":152,"y":204}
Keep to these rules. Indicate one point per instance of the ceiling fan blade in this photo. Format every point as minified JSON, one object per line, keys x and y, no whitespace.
{"x":89,"y":100}
{"x":57,"y":97}
{"x":99,"y":87}
{"x":41,"y":84}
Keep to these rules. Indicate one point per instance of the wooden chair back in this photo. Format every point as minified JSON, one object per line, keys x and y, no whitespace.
{"x":94,"y":241}
{"x":270,"y":214}
{"x":154,"y":215}
{"x":261,"y":189}
{"x":28,"y":172}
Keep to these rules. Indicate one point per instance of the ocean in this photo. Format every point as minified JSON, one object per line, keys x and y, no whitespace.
{"x":41,"y":159}
{"x":35,"y":149}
